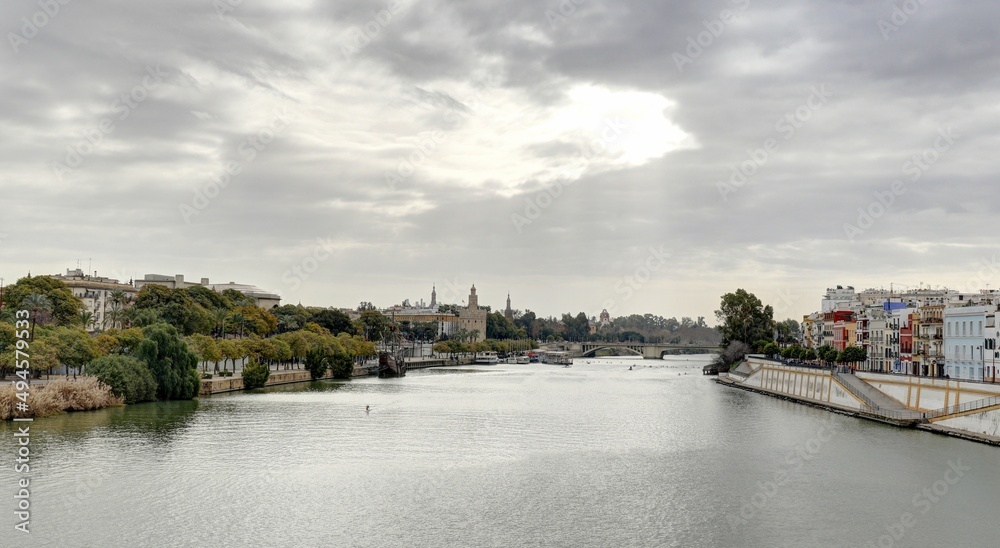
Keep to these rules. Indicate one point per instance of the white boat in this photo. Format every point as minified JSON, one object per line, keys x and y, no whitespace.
{"x":487,"y":358}
{"x":558,"y":358}
{"x":522,"y":359}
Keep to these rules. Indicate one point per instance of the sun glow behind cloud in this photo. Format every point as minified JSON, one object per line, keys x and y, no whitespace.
{"x":506,"y":146}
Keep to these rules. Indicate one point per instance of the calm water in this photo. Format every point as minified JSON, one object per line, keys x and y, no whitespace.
{"x":512,"y":455}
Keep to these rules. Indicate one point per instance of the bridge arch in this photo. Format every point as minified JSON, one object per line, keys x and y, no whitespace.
{"x":590,"y":351}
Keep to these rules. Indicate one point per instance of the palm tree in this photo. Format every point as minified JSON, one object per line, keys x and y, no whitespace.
{"x":113,"y":316}
{"x":119,"y":300}
{"x":220,"y":321}
{"x":128,"y":316}
{"x":36,"y":302}
{"x":118,"y":297}
{"x":86,"y":319}
{"x":238,"y":317}
{"x":288,"y":322}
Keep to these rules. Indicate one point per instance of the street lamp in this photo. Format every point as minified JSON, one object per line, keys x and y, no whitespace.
{"x":982,"y":356}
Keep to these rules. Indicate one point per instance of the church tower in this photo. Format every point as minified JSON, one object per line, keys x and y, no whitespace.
{"x":508,"y":313}
{"x":434,"y":297}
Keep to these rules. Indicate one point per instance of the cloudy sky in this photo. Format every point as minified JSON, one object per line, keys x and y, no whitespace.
{"x":635,"y":155}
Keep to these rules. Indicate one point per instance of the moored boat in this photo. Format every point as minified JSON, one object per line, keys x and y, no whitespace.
{"x":487,"y":358}
{"x":390,"y":365}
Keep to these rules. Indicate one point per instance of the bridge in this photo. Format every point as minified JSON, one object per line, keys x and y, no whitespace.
{"x":651,"y":351}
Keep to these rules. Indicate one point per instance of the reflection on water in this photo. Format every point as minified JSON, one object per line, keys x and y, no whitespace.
{"x":506,"y":455}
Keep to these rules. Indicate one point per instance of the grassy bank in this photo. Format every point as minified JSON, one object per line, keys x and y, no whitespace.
{"x":56,"y":397}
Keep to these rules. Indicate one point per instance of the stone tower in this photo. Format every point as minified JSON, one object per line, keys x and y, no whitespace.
{"x":473,"y":318}
{"x":434,"y":296}
{"x":508,"y":313}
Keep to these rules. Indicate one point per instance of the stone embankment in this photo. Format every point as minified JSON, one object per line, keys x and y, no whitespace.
{"x":965,"y":409}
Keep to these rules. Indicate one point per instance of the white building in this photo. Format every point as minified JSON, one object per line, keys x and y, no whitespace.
{"x":96,"y":293}
{"x":873,"y":336}
{"x":970,"y":335}
{"x":839,"y":298}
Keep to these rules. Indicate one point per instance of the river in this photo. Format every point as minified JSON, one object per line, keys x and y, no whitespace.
{"x":593,"y":455}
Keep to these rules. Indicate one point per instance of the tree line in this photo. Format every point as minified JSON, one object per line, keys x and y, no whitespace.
{"x":148,"y":347}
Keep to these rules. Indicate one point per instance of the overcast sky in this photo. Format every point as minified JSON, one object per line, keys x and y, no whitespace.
{"x":579,"y":155}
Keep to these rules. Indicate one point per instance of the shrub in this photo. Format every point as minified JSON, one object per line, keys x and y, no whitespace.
{"x":316,"y":364}
{"x":255,"y":374}
{"x":341,"y":364}
{"x":127,"y":377}
{"x":58,"y":396}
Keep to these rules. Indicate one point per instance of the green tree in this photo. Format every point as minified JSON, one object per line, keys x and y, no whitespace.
{"x":827,"y":353}
{"x":441,"y":348}
{"x":772,"y":349}
{"x":255,"y":374}
{"x":207,"y":298}
{"x":576,"y":328}
{"x":291,"y":316}
{"x":74,"y":348}
{"x":172,"y":363}
{"x":316,"y":363}
{"x":526,"y":321}
{"x":374,"y":325}
{"x":206,"y":348}
{"x":341,"y":363}
{"x":127,"y":377}
{"x":8,"y":341}
{"x":788,"y":331}
{"x":499,"y":327}
{"x":256,"y":320}
{"x":230,"y":351}
{"x":86,"y":318}
{"x":853,"y":354}
{"x":627,"y":336}
{"x":62,"y":306}
{"x":809,"y":355}
{"x":37,"y":304}
{"x":743,"y":317}
{"x":176,"y":307}
{"x":793,"y":352}
{"x":334,"y":320}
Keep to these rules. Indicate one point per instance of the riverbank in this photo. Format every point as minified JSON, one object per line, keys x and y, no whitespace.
{"x":56,"y":397}
{"x":961,"y":409}
{"x":219,"y":385}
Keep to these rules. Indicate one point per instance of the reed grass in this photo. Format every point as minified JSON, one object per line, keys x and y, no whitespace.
{"x":83,"y":394}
